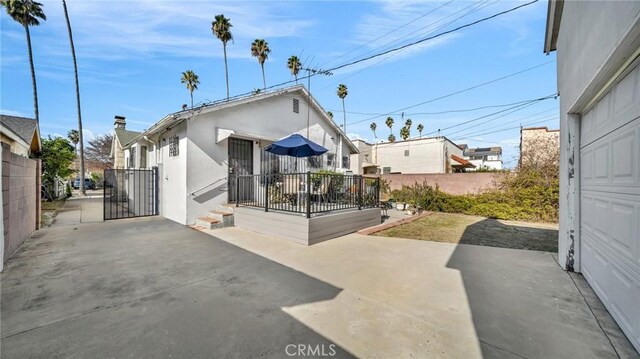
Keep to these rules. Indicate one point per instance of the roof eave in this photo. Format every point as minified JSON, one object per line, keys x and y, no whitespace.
{"x":554,"y":15}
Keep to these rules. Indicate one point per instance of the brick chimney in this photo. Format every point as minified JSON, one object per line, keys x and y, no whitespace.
{"x":120,"y":122}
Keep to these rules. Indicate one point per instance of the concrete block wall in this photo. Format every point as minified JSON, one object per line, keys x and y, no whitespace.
{"x":452,"y":183}
{"x":20,"y":199}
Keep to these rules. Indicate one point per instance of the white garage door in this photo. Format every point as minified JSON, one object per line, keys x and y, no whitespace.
{"x":610,"y":202}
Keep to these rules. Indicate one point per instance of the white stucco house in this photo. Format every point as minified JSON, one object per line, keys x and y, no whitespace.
{"x":199,"y":151}
{"x":420,"y":155}
{"x":489,"y":158}
{"x":598,"y":54}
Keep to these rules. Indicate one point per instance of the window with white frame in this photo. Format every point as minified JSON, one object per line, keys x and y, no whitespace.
{"x":132,"y":157}
{"x":143,"y":156}
{"x":331,"y":159}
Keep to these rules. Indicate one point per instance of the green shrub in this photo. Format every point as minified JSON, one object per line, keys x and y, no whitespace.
{"x":68,"y":189}
{"x":521,"y":199}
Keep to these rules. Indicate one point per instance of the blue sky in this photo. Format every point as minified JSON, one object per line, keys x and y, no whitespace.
{"x":131,"y":55}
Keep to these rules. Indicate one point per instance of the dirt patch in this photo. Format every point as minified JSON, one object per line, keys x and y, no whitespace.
{"x":460,"y":228}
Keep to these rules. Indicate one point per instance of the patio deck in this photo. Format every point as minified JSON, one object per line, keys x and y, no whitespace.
{"x":307,"y":231}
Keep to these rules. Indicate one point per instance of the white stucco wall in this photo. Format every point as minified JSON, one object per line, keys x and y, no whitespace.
{"x":173,"y":175}
{"x":271,"y":118}
{"x":589,"y":33}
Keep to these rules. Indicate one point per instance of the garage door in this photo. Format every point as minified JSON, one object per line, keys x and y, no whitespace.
{"x":610,"y":202}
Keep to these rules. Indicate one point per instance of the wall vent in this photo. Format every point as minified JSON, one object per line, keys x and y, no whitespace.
{"x":296,"y":105}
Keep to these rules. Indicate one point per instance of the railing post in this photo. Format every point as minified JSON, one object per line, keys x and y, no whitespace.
{"x":266,"y":193}
{"x":237,"y":191}
{"x":308,"y":194}
{"x":359,"y":192}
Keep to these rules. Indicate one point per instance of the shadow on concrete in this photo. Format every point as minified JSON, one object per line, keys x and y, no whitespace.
{"x":523,"y":304}
{"x":149,"y":287}
{"x":494,"y":233}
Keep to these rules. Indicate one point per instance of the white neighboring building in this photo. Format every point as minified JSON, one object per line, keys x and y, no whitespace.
{"x":488,"y":157}
{"x":198,"y":151}
{"x":598,"y":56}
{"x":424,"y":155}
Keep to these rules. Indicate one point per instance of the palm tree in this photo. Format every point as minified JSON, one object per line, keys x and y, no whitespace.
{"x":342,"y":93}
{"x":389,"y":123}
{"x":221,"y":28}
{"x":191,"y":81}
{"x":27,"y":13}
{"x":404,"y":133}
{"x":373,"y":127}
{"x":294,"y":66}
{"x":74,"y":137}
{"x":407,"y":125}
{"x":75,"y":70}
{"x":420,"y":128}
{"x":392,"y":138}
{"x":260,"y":49}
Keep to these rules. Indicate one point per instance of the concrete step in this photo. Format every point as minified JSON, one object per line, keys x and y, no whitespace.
{"x":225,"y":217}
{"x":227,"y":208}
{"x":209,"y":223}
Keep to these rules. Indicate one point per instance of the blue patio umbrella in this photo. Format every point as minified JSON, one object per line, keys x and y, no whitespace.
{"x":296,"y":146}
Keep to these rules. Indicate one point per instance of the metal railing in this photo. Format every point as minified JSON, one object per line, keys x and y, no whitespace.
{"x":307,"y":193}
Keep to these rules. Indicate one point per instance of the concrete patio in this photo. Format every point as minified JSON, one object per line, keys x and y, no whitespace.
{"x":149,"y":287}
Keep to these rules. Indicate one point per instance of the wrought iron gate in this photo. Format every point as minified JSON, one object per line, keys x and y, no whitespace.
{"x":130,"y":193}
{"x":240,"y":164}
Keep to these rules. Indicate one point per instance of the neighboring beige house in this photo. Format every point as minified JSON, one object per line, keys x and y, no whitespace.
{"x":539,"y":144}
{"x":121,"y":137}
{"x":597,"y":46}
{"x":424,"y":155}
{"x":21,"y":134}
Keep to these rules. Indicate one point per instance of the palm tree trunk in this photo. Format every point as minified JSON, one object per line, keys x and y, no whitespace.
{"x":296,"y":76}
{"x":226,"y":70}
{"x":344,"y":116}
{"x":75,"y":70}
{"x":33,"y":76}
{"x":264,"y":81}
{"x":191,"y":92}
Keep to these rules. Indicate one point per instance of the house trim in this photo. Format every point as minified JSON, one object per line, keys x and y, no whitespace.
{"x":175,"y":118}
{"x":554,"y":15}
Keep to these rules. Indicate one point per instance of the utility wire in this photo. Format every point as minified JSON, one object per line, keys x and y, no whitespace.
{"x":493,"y":119}
{"x":399,"y":40}
{"x":436,"y":113}
{"x":434,"y":36}
{"x":456,"y":92}
{"x":388,"y":33}
{"x":409,"y":45}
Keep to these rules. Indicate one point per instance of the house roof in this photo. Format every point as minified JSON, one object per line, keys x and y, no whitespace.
{"x":540,"y":128}
{"x":177,"y":117}
{"x":125,"y":136}
{"x":554,"y":15}
{"x":25,"y":128}
{"x":483,"y":151}
{"x":462,"y":162}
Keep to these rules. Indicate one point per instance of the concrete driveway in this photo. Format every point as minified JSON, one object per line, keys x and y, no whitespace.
{"x":151,"y":288}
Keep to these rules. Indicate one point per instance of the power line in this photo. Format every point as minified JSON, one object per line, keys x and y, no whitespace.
{"x":493,"y":119}
{"x":434,"y":36}
{"x":399,"y":40}
{"x":547,"y":118}
{"x":388,"y":33}
{"x":434,"y":113}
{"x":456,"y":92}
{"x":409,"y":45}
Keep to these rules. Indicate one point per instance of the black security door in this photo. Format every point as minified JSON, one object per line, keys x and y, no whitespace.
{"x":240,"y":163}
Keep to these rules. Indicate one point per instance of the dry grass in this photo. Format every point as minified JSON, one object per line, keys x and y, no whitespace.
{"x":52,"y":206}
{"x":460,"y":228}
